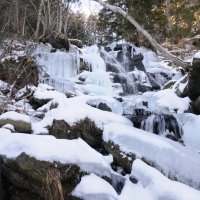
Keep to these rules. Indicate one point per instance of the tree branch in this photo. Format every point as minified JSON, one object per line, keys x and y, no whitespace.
{"x":166,"y":54}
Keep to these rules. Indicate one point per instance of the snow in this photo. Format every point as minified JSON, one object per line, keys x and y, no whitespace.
{"x":99,"y":77}
{"x":15,"y":116}
{"x":4,"y":130}
{"x":4,"y":85}
{"x":91,"y":89}
{"x":191,"y":129}
{"x":159,"y":186}
{"x":73,"y":111}
{"x":163,"y":101}
{"x":9,"y":127}
{"x":63,"y":151}
{"x":139,"y":192}
{"x":93,"y":187}
{"x":44,"y":92}
{"x":115,"y":105}
{"x":173,"y":159}
{"x":197,"y":55}
{"x":91,"y":56}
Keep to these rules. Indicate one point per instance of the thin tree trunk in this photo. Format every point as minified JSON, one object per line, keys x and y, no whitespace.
{"x":60,"y":19}
{"x":39,"y":19}
{"x":24,"y":21}
{"x":16,"y":16}
{"x":141,"y":30}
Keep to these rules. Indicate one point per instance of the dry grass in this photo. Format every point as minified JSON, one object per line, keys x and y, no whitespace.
{"x":52,"y":187}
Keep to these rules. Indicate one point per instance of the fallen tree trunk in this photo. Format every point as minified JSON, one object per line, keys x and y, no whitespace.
{"x":166,"y":54}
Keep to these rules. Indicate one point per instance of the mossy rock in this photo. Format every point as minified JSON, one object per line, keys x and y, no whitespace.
{"x":122,"y":159}
{"x":85,"y":129}
{"x":19,"y":125}
{"x":194,"y":80}
{"x":28,"y":178}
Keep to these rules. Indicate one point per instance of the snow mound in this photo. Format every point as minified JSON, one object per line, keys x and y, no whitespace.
{"x":44,"y":91}
{"x":174,"y":160}
{"x":72,"y":112}
{"x":191,"y":129}
{"x":93,"y":187}
{"x":15,"y":117}
{"x":160,"y":186}
{"x":63,"y":151}
{"x":139,"y":192}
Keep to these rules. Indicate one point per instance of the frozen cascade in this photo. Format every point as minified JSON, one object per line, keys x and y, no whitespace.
{"x":91,"y":56}
{"x":162,"y":124}
{"x":128,"y":69}
{"x":125,"y":66}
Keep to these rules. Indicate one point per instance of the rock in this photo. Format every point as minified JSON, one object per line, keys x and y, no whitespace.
{"x":57,"y":41}
{"x":4,"y":87}
{"x":169,"y":84}
{"x":122,"y":159}
{"x":136,"y":61}
{"x":139,"y":116}
{"x":181,"y":87}
{"x":76,"y":42}
{"x":104,"y":107}
{"x":107,"y":48}
{"x":194,"y":80}
{"x":26,"y":65}
{"x":196,"y":105}
{"x":1,"y":186}
{"x":110,"y":67}
{"x":25,"y":178}
{"x":20,"y":122}
{"x":86,"y":129}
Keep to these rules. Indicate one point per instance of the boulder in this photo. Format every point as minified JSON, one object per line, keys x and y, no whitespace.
{"x":196,"y":105}
{"x":86,"y":129}
{"x":121,"y":158}
{"x":27,"y":178}
{"x":104,"y":107}
{"x":76,"y":42}
{"x":21,"y":122}
{"x":26,"y":68}
{"x":194,"y":79}
{"x":181,"y":87}
{"x":57,"y":41}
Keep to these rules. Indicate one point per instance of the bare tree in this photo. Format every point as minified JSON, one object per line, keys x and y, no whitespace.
{"x":142,"y":31}
{"x":38,"y":19}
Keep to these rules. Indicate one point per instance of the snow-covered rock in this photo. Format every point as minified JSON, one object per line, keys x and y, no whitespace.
{"x":173,"y":159}
{"x":21,"y":122}
{"x":152,"y":181}
{"x":190,"y":124}
{"x":63,"y":151}
{"x":93,"y":187}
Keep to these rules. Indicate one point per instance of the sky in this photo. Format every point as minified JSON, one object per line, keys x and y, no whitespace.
{"x":87,"y":6}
